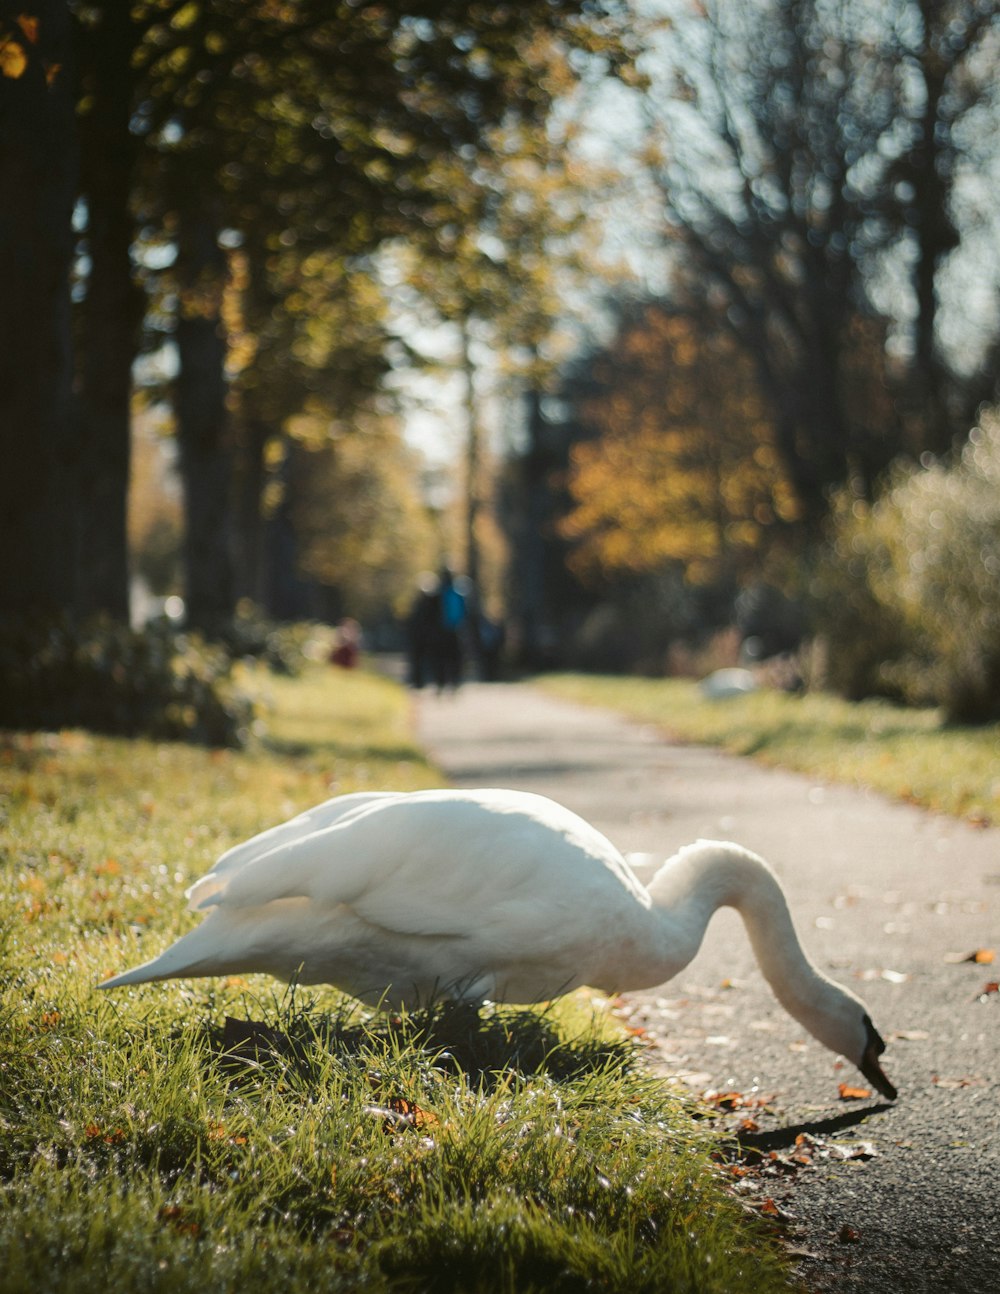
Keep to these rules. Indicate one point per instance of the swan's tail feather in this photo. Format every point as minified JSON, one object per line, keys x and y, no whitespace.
{"x":186,"y":957}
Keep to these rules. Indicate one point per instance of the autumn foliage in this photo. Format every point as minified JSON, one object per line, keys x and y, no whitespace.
{"x":680,"y":466}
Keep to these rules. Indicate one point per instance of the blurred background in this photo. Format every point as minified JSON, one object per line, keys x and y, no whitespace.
{"x":671,"y":330}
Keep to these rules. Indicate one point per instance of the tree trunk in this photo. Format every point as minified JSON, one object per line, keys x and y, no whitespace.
{"x":205,"y":456}
{"x":38,"y":177}
{"x":250,"y":477}
{"x":530,"y":612}
{"x":473,"y":500}
{"x":112,"y":314}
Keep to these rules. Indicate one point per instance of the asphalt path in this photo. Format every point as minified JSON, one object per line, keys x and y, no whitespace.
{"x":888,"y":898}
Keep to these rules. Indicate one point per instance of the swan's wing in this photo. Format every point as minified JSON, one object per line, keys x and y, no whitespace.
{"x":267,"y":843}
{"x":446,"y":863}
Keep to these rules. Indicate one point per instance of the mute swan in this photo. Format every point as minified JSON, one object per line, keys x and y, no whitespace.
{"x":488,"y":895}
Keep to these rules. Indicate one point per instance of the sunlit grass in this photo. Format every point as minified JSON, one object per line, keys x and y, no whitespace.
{"x":146,"y":1145}
{"x":906,"y":753}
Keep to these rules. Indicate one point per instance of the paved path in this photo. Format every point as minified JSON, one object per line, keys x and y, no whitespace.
{"x":884,"y":895}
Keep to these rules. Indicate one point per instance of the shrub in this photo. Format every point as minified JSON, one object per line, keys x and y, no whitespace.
{"x":109,"y":678}
{"x":910,"y":592}
{"x":283,"y":648}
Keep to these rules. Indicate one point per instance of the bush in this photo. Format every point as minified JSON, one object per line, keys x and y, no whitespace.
{"x":109,"y":678}
{"x":283,"y":648}
{"x":910,"y":590}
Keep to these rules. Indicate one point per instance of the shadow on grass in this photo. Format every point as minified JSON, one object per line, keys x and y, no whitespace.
{"x":489,"y":1046}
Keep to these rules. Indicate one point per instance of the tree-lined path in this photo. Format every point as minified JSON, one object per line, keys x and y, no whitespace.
{"x":886,"y":898}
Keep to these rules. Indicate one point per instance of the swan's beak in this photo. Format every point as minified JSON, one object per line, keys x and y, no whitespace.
{"x":870,"y":1066}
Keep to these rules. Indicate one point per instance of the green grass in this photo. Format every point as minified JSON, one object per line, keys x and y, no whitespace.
{"x":906,"y":753}
{"x":146,"y":1144}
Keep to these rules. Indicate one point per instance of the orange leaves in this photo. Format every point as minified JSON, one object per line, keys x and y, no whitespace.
{"x":683,"y":467}
{"x":219,"y":1132}
{"x":179,"y":1219}
{"x":13,"y":55}
{"x":400,"y":1113}
{"x":110,"y":1136}
{"x":13,"y":59}
{"x":15,"y":50}
{"x":978,"y":956}
{"x":851,"y":1093}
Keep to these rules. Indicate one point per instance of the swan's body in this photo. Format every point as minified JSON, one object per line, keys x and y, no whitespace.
{"x":488,"y":895}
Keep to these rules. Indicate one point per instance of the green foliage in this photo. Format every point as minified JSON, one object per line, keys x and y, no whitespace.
{"x":910,"y":594}
{"x":107,"y":677}
{"x":149,"y":1145}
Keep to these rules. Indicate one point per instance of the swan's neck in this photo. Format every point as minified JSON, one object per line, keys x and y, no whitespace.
{"x":710,"y":875}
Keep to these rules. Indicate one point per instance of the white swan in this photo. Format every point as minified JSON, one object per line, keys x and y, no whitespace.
{"x":488,"y":895}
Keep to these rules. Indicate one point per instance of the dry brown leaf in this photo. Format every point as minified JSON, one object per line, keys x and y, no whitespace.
{"x":849,"y":1093}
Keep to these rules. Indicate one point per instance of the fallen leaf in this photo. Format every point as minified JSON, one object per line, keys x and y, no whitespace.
{"x":848,"y":1235}
{"x":855,"y":1150}
{"x":28,"y":25}
{"x":400,"y":1112}
{"x":849,"y":1093}
{"x":179,"y":1219}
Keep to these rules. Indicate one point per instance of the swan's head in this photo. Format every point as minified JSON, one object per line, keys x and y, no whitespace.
{"x":869,"y":1062}
{"x":846,"y":1027}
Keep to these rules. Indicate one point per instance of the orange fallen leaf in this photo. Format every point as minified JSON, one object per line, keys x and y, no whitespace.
{"x":979,"y":956}
{"x":725,"y":1100}
{"x":399,"y":1112}
{"x":849,"y":1093}
{"x":770,"y":1208}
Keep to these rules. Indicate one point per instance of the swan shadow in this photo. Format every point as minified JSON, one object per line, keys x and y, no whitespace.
{"x":746,"y":1145}
{"x":488,"y":1046}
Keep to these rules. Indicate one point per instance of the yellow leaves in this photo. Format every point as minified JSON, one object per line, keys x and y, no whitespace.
{"x":14,"y":52}
{"x":683,"y":468}
{"x":13,"y":59}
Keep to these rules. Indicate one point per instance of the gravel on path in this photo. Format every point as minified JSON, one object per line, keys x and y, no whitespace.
{"x":893,"y":1199}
